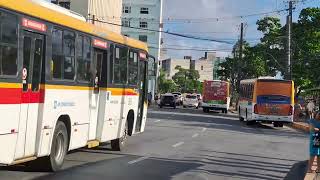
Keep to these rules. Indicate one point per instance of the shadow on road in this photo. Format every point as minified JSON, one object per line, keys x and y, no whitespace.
{"x":297,"y":171}
{"x":119,"y":169}
{"x":227,"y":124}
{"x":252,"y":166}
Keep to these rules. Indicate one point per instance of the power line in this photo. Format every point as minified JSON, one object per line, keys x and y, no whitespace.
{"x":204,"y":50}
{"x":169,"y":20}
{"x":166,"y":32}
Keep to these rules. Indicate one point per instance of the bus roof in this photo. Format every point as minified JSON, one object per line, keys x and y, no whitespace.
{"x":33,"y":9}
{"x":246,"y":81}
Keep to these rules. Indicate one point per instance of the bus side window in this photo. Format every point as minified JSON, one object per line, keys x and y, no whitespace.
{"x":116,"y":66}
{"x":120,"y":65}
{"x":63,"y":54}
{"x":83,"y":58}
{"x":57,"y":57}
{"x":8,"y":44}
{"x":133,"y":68}
{"x":69,"y":53}
{"x":111,"y":64}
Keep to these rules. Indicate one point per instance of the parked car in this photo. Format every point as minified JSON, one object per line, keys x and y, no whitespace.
{"x":179,"y":98}
{"x":191,"y":100}
{"x":167,"y":100}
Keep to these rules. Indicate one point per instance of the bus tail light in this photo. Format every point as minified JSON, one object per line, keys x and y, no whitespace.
{"x":290,"y":111}
{"x":255,"y":109}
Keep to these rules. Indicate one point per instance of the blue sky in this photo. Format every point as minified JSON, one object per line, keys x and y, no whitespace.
{"x":226,"y":29}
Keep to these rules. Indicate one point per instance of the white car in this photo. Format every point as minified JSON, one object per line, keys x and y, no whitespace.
{"x":178,"y":97}
{"x":191,"y":100}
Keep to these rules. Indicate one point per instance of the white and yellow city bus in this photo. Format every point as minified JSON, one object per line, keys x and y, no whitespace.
{"x":65,"y":84}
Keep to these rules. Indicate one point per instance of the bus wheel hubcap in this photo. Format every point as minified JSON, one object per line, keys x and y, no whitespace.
{"x":59,"y":149}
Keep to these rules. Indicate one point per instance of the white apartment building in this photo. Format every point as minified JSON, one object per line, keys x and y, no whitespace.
{"x":205,"y":66}
{"x":169,"y":66}
{"x":104,"y":10}
{"x":205,"y":69}
{"x":144,"y":14}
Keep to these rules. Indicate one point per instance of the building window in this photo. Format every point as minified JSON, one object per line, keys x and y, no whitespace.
{"x":201,"y":68}
{"x":126,"y":23}
{"x":143,"y":24}
{"x":143,"y":38}
{"x":144,"y":10}
{"x":126,"y":9}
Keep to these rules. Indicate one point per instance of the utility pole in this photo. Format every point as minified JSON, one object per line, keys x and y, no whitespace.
{"x":289,"y":28}
{"x":240,"y":56}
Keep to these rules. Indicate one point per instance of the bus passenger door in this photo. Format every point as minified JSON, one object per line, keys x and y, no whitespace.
{"x":142,"y":104}
{"x":96,"y":94}
{"x":32,"y":95}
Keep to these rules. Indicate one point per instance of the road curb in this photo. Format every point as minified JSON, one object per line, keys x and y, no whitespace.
{"x":300,"y":126}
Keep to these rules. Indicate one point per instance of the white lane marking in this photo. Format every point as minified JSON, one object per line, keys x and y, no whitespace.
{"x":137,"y":160}
{"x":195,"y":135}
{"x":194,"y":115}
{"x":157,"y":121}
{"x":178,"y":144}
{"x":204,"y":129}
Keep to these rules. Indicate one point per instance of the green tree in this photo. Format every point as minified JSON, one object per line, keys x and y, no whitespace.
{"x":268,"y":57}
{"x":306,"y":49}
{"x":165,"y":85}
{"x":187,"y":80}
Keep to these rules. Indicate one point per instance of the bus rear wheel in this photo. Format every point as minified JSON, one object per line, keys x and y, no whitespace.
{"x":59,"y":148}
{"x":119,"y":144}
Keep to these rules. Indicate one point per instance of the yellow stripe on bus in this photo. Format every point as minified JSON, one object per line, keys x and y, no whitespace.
{"x":10,"y":85}
{"x":114,"y":91}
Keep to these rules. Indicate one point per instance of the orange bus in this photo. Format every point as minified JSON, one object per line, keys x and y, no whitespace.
{"x":266,"y":100}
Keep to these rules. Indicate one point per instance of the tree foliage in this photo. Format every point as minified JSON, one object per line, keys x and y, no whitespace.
{"x":268,"y":57}
{"x":187,"y":80}
{"x":165,"y":85}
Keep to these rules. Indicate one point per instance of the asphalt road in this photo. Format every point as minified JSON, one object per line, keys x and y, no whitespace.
{"x":186,"y":144}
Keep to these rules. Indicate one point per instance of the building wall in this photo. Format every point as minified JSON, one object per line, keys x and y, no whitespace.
{"x":105,"y":10}
{"x":153,"y":19}
{"x":205,"y":69}
{"x":169,"y":65}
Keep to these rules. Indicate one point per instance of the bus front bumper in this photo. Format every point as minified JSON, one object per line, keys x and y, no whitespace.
{"x":272,"y":118}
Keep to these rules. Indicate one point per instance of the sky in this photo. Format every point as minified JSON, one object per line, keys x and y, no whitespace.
{"x":226,"y":28}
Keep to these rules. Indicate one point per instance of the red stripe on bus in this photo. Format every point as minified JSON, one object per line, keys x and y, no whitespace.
{"x":10,"y":95}
{"x":15,"y":96}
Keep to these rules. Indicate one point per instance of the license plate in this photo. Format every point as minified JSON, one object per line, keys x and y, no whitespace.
{"x":167,"y":104}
